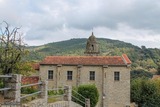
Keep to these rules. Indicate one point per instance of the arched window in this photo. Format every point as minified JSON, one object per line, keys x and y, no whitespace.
{"x":92,"y":47}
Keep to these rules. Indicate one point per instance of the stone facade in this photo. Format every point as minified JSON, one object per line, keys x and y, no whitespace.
{"x":111,"y":75}
{"x":115,"y":92}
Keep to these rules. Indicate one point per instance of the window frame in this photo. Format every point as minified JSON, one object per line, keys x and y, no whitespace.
{"x":92,"y":76}
{"x":69,"y":75}
{"x":50,"y":75}
{"x":116,"y":76}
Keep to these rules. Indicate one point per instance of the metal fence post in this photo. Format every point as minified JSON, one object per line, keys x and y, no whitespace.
{"x":15,"y":84}
{"x":87,"y":101}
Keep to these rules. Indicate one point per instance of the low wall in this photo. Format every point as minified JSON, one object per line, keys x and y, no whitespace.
{"x":36,"y":103}
{"x":42,"y":103}
{"x":73,"y":104}
{"x":29,"y":80}
{"x":58,"y":104}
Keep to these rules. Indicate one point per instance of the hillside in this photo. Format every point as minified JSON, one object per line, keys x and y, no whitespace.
{"x":147,"y":58}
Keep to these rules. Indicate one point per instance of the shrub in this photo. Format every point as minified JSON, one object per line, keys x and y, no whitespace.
{"x":28,"y":90}
{"x":56,"y":92}
{"x":88,"y":91}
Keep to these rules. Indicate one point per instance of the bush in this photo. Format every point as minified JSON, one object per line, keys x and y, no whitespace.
{"x":28,"y":90}
{"x":88,"y":91}
{"x":56,"y":92}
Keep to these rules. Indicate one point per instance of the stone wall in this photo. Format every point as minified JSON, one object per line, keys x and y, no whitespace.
{"x":81,"y":72}
{"x":117,"y":93}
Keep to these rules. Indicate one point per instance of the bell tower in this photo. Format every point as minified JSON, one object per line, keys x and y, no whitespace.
{"x":92,"y":48}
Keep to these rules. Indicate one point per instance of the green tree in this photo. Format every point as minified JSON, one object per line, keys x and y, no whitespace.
{"x":11,"y":49}
{"x":145,"y":93}
{"x":158,"y":69}
{"x":25,"y":68}
{"x":140,"y":73}
{"x":88,"y":91}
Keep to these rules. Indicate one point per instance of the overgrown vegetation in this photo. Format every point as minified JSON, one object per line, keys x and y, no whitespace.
{"x":145,"y":92}
{"x":55,"y":92}
{"x":55,"y":95}
{"x":28,"y":90}
{"x":88,"y":91}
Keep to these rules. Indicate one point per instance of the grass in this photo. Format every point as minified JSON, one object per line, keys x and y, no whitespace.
{"x":28,"y":99}
{"x":52,"y":100}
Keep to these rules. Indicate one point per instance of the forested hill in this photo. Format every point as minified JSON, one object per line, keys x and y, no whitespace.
{"x":146,"y":58}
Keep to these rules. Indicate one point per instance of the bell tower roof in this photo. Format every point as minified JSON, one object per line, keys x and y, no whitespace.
{"x":92,"y":38}
{"x":92,"y":47}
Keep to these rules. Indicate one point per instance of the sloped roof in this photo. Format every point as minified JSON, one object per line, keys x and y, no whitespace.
{"x":87,"y":60}
{"x":156,"y":77}
{"x":35,"y":66}
{"x":126,"y":59}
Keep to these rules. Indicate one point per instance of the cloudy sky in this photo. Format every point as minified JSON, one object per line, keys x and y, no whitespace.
{"x":44,"y":21}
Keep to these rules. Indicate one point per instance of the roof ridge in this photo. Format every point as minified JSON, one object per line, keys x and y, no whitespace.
{"x":86,"y":60}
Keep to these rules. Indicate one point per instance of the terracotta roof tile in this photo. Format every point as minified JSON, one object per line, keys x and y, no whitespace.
{"x":126,"y":59}
{"x":35,"y":66}
{"x":156,"y":77}
{"x":85,"y":60}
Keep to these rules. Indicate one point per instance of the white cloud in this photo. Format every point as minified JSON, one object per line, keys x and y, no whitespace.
{"x":135,"y":21}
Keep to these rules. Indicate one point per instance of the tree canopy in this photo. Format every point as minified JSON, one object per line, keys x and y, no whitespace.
{"x":11,"y":49}
{"x":140,"y":73}
{"x":145,"y":92}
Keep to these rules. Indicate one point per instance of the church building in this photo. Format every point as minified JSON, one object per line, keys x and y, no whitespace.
{"x":110,"y":74}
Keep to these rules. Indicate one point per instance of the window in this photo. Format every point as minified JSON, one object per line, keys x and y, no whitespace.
{"x":50,"y":74}
{"x":116,"y":76}
{"x":92,"y":75}
{"x":69,"y":75}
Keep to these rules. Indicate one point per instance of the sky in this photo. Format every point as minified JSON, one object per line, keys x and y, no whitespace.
{"x":45,"y":21}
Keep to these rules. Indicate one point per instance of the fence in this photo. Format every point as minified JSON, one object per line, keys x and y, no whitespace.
{"x":83,"y":100}
{"x":12,"y":91}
